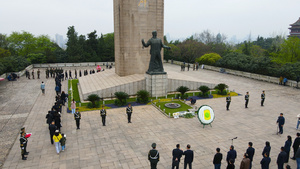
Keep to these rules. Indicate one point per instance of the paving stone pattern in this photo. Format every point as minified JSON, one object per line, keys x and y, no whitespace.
{"x":122,"y":145}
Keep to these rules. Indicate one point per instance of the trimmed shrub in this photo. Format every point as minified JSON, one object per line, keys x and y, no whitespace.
{"x":93,"y":98}
{"x":121,"y":98}
{"x":183,"y":90}
{"x":221,"y":88}
{"x":204,"y":91}
{"x":143,"y":96}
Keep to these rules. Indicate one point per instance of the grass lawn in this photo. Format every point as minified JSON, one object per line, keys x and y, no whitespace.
{"x":162,"y":103}
{"x":74,"y":93}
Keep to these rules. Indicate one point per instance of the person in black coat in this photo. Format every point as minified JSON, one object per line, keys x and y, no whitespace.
{"x":57,"y":120}
{"x":280,"y":122}
{"x":281,"y":158}
{"x":265,"y":162}
{"x":231,"y":154}
{"x":217,"y":159}
{"x":296,"y":145}
{"x":63,"y":97}
{"x":177,"y":153}
{"x":287,"y":147}
{"x":189,"y":157}
{"x":267,"y":149}
{"x":52,"y":129}
{"x":250,"y":151}
{"x":49,"y":118}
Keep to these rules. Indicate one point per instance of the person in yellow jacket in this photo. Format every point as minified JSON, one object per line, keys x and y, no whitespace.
{"x":56,"y":138}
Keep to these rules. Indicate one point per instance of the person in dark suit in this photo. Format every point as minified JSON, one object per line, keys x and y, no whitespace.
{"x":77,"y":117}
{"x":246,"y":99}
{"x":189,"y":157}
{"x":250,"y":151}
{"x":281,"y":158}
{"x":217,"y":159}
{"x":231,"y":154}
{"x":265,"y":162}
{"x":177,"y":153}
{"x":52,"y":129}
{"x":228,"y":100}
{"x":129,"y":112}
{"x":153,"y":156}
{"x":287,"y":148}
{"x":263,"y":96}
{"x":103,"y":115}
{"x":296,"y":145}
{"x":280,"y":122}
{"x":267,"y":149}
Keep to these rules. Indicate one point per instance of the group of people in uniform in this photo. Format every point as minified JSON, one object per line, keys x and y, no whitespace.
{"x":77,"y":115}
{"x":27,"y":73}
{"x":247,"y":96}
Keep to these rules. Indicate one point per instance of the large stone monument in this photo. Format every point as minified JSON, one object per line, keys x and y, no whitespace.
{"x":134,"y":20}
{"x":136,"y":66}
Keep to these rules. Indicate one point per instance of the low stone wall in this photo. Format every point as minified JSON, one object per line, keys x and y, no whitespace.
{"x":265,"y":78}
{"x":173,"y":84}
{"x":20,"y":73}
{"x":130,"y":89}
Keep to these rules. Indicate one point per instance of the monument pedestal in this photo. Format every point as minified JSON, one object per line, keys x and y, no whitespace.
{"x":157,"y":84}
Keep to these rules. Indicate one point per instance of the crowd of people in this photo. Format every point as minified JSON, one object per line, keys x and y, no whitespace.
{"x":195,"y":66}
{"x":247,"y":157}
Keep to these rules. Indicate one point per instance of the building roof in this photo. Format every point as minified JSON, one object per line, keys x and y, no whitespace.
{"x":296,"y":23}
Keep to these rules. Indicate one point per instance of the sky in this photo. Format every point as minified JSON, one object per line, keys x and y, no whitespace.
{"x":237,"y":19}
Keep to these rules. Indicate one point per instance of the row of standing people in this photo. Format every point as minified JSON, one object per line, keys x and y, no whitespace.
{"x":195,"y":66}
{"x":27,"y":73}
{"x":77,"y":114}
{"x":54,"y":118}
{"x":246,"y":162}
{"x":247,"y":98}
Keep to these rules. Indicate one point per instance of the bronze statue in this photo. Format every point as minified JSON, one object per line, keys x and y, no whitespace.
{"x":155,"y":65}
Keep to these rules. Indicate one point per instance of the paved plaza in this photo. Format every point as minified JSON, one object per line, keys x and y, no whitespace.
{"x":122,"y":145}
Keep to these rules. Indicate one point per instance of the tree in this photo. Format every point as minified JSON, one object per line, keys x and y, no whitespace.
{"x":72,"y":45}
{"x":109,"y":48}
{"x":209,"y":59}
{"x":290,"y":51}
{"x":4,"y":53}
{"x":22,"y":43}
{"x":36,"y":58}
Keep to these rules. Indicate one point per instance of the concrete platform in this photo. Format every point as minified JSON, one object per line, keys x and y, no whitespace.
{"x":106,"y":83}
{"x":120,"y":145}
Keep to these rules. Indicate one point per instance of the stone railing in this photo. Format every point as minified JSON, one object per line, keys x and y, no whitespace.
{"x":265,"y":78}
{"x":20,"y":73}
